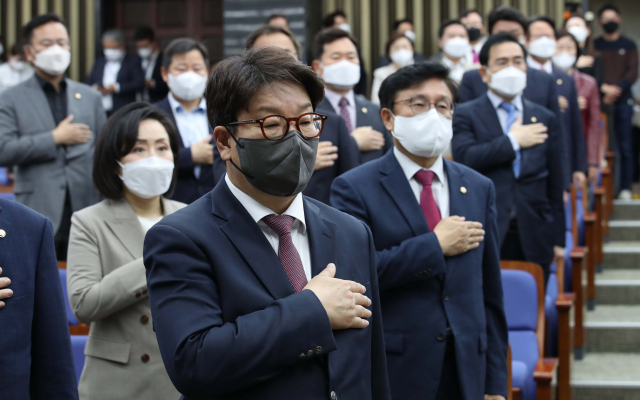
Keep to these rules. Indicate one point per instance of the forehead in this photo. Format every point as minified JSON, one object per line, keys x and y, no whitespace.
{"x":576,"y":21}
{"x":152,"y":130}
{"x":541,"y":27}
{"x":405,"y":25}
{"x":505,"y":50}
{"x":432,"y":89}
{"x":472,"y":17}
{"x":191,"y":56}
{"x":455,"y":29}
{"x":507,"y":26}
{"x":342,"y":45}
{"x":401,"y":41}
{"x":566,"y":41}
{"x":609,"y":14}
{"x":51,"y":30}
{"x":281,"y":96}
{"x":275,"y":39}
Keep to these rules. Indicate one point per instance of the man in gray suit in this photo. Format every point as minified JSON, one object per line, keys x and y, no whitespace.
{"x":47,"y":127}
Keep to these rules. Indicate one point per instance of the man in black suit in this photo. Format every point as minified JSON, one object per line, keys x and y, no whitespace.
{"x":155,"y":88}
{"x":519,"y":146}
{"x":337,"y":150}
{"x":541,"y":44}
{"x":118,"y":75}
{"x":336,"y":60}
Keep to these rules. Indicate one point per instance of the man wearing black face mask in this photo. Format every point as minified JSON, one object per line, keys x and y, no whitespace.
{"x":472,"y":20}
{"x":620,"y":62}
{"x":269,"y":298}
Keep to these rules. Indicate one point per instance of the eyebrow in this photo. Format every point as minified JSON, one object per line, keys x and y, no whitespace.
{"x":145,"y":140}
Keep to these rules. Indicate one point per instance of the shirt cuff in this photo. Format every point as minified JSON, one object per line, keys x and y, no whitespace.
{"x":514,"y":142}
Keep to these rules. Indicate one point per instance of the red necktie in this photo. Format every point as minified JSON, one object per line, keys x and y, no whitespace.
{"x":476,"y":57}
{"x":287,"y":253}
{"x":427,"y":202}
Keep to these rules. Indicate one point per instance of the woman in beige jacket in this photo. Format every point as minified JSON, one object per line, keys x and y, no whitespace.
{"x":134,"y":169}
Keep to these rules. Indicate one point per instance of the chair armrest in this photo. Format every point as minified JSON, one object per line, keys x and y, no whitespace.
{"x":578,"y":252}
{"x":564,"y":302}
{"x":544,"y":370}
{"x":80,"y":329}
{"x":590,"y":217}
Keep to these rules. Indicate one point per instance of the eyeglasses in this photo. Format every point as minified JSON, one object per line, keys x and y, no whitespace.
{"x":420,"y":105}
{"x":276,"y":127}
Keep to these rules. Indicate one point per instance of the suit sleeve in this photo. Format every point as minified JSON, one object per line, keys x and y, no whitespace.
{"x":631,"y":68}
{"x":101,"y":116}
{"x":579,"y":150}
{"x":553,"y":105}
{"x":134,"y":80}
{"x":379,"y":378}
{"x":348,"y":152}
{"x":556,"y":181}
{"x":466,"y":88}
{"x":413,"y":260}
{"x":53,"y":375}
{"x":92,"y":79}
{"x":205,"y":355}
{"x":497,"y":331}
{"x":17,"y":149}
{"x":92,"y":295}
{"x":593,"y":130}
{"x":481,"y":156}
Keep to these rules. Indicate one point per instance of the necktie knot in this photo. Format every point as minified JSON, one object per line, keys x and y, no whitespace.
{"x":280,"y":224}
{"x":425,"y":177}
{"x":508,"y":107}
{"x":343,"y":102}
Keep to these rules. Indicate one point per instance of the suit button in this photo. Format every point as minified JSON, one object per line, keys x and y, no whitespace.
{"x":446,"y":297}
{"x":319,"y":350}
{"x":144,"y":320}
{"x":309,"y":353}
{"x":440,"y":337}
{"x":145,"y":292}
{"x":333,"y":396}
{"x":302,"y":356}
{"x":145,"y":358}
{"x":138,"y":295}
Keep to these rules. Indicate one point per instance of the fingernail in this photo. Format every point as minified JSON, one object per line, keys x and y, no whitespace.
{"x":7,"y":281}
{"x":1,"y":304}
{"x":366,"y":322}
{"x":9,"y":292}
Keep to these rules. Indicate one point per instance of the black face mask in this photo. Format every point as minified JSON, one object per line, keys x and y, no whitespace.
{"x":474,"y":34}
{"x":610,"y":26}
{"x":279,"y":168}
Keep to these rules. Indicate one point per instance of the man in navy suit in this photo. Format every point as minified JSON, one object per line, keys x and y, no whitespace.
{"x":118,"y":76}
{"x":541,"y":43}
{"x":337,"y":149}
{"x":185,"y":68}
{"x":335,"y":58}
{"x":35,"y":349}
{"x":256,"y":291}
{"x":519,"y":146}
{"x":434,"y":260}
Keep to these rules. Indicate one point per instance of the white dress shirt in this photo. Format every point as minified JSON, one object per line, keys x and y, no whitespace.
{"x":193,"y":126}
{"x":10,"y":77}
{"x":148,"y":223}
{"x":475,"y":47}
{"x":148,"y":65}
{"x":298,"y":229}
{"x":503,"y":115}
{"x":546,"y":67}
{"x":334,"y":98}
{"x":110,"y":77}
{"x":439,"y":186}
{"x":455,"y":70}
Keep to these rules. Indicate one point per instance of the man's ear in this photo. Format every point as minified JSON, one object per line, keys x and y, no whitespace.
{"x":165,"y":74}
{"x":317,"y":66}
{"x":223,"y":140}
{"x":441,"y":44}
{"x":387,"y":119}
{"x":484,"y":74}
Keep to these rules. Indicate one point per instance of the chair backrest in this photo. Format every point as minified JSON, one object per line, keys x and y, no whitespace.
{"x":4,"y":177}
{"x":523,"y":286}
{"x":78,"y":343}
{"x":63,"y":280}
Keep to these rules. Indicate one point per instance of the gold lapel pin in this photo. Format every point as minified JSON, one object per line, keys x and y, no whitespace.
{"x":364,"y":110}
{"x":463,"y":189}
{"x":2,"y":233}
{"x":559,"y":81}
{"x":78,"y":96}
{"x":534,"y":119}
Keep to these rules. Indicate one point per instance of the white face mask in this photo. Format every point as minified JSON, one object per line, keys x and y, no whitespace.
{"x":509,"y":82}
{"x":581,"y":34}
{"x":564,"y":60}
{"x":424,"y":135}
{"x":522,"y":41}
{"x":543,"y":47}
{"x":18,"y":65}
{"x":53,"y":60}
{"x":113,"y":54}
{"x":402,"y":57}
{"x":187,"y":85}
{"x":456,"y":47}
{"x":345,"y":27}
{"x":343,"y":75}
{"x":144,"y":52}
{"x":411,"y":35}
{"x":149,"y":177}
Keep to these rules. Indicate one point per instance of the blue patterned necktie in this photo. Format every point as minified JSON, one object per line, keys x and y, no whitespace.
{"x":511,"y":119}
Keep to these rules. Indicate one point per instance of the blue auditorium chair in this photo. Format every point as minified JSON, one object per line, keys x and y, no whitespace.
{"x":4,"y":177}
{"x":78,"y":342}
{"x":7,"y":195}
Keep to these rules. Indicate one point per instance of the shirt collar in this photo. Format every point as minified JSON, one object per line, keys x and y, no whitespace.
{"x":478,"y":46}
{"x":461,"y":62}
{"x":47,"y":86}
{"x":177,"y":107}
{"x":409,"y":167}
{"x":258,"y":211}
{"x":497,"y":100}
{"x":334,"y":98}
{"x":546,"y":67}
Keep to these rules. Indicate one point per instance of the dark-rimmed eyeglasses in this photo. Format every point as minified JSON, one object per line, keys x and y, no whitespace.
{"x":420,"y":105}
{"x":276,"y":127}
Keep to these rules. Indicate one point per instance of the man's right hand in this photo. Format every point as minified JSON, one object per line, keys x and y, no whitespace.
{"x":344,"y":301}
{"x":4,"y":293}
{"x":202,"y":152}
{"x":327,"y":154}
{"x":67,"y":133}
{"x":457,"y":236}
{"x":368,"y":139}
{"x":529,"y":135}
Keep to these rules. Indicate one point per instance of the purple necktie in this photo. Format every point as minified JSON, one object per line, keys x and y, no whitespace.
{"x":476,"y":57}
{"x":345,"y":113}
{"x":427,"y":202}
{"x":287,"y":253}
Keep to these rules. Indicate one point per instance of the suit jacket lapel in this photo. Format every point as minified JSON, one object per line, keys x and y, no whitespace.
{"x":39,"y":101}
{"x":490,"y":118}
{"x":321,"y":234}
{"x":247,"y":237}
{"x":6,"y":226}
{"x":527,"y":118}
{"x":362,"y":113}
{"x":457,"y":201}
{"x":126,"y":227}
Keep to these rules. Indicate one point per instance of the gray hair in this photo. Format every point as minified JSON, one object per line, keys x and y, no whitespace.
{"x":181,"y":46}
{"x":113,"y":34}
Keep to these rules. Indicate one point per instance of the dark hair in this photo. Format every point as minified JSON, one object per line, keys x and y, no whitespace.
{"x":541,"y":18}
{"x":328,"y":21}
{"x":271,"y":30}
{"x":468,"y":12}
{"x":413,"y":75}
{"x":16,"y":49}
{"x":399,"y":22}
{"x":448,"y":23}
{"x":181,"y":46}
{"x":234,"y":81}
{"x":144,"y":32}
{"x":27,"y":30}
{"x":506,"y":13}
{"x":395,"y":36}
{"x":607,"y":7}
{"x":493,"y":40}
{"x":274,"y":16}
{"x":116,"y":139}
{"x":329,"y":36}
{"x":562,"y":34}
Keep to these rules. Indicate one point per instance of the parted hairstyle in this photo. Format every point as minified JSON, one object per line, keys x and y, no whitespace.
{"x":328,"y":36}
{"x":448,"y":23}
{"x":562,"y":34}
{"x":27,"y":30}
{"x":234,"y":81}
{"x":181,"y":46}
{"x":414,"y":75}
{"x":395,"y":36}
{"x":506,"y":13}
{"x":494,"y":40}
{"x":541,"y":18}
{"x":271,"y":30}
{"x":607,"y":7}
{"x":116,"y":139}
